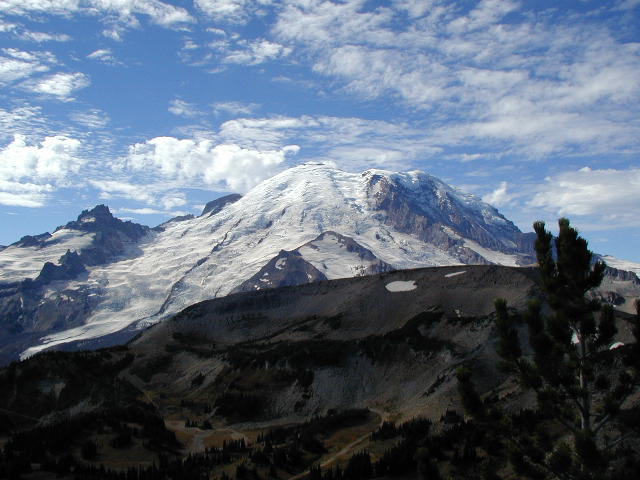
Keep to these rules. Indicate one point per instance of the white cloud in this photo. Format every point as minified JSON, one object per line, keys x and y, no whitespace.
{"x":354,"y":143}
{"x":143,"y":211}
{"x":527,"y":81}
{"x":93,"y":118}
{"x":158,"y":194}
{"x":232,"y":49}
{"x":122,"y":189}
{"x":26,"y":119}
{"x":40,"y":37}
{"x":186,"y":160}
{"x":485,"y":14}
{"x":413,"y":8}
{"x":257,"y":52}
{"x":610,"y":195}
{"x":499,"y":197}
{"x":23,"y":194}
{"x":12,"y":69}
{"x":122,"y":12}
{"x":172,"y":200}
{"x":235,"y":108}
{"x":18,"y":64}
{"x":104,"y":55}
{"x":114,"y":34}
{"x":183,"y":109}
{"x":7,"y":26}
{"x":60,"y":85}
{"x":232,"y":10}
{"x":53,"y":159}
{"x":628,"y":4}
{"x":29,"y":172}
{"x":160,"y":12}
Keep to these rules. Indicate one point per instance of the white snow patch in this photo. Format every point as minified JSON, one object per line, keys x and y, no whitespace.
{"x":491,"y":255}
{"x":400,"y":286}
{"x":331,"y":257}
{"x":454,"y":274}
{"x":281,"y":263}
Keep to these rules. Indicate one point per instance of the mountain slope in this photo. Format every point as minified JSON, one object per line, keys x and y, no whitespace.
{"x":346,"y":355}
{"x":330,"y":255}
{"x":337,"y":223}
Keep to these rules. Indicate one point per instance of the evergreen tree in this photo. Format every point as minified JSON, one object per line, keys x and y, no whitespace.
{"x":576,"y":429}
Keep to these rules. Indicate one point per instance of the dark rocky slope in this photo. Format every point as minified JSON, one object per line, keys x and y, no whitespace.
{"x":289,"y":364}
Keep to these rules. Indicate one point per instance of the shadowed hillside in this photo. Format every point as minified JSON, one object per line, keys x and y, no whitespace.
{"x":266,"y":384}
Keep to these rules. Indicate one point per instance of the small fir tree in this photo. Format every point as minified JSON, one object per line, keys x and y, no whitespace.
{"x":580,"y":383}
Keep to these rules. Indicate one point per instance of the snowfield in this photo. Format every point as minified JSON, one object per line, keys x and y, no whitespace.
{"x":18,"y":263}
{"x":401,"y":286}
{"x":454,"y":274}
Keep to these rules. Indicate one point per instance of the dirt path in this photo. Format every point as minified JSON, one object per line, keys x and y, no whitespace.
{"x":197,"y":437}
{"x":348,"y":448}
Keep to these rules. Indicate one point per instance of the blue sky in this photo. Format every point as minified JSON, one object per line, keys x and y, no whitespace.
{"x":155,"y":107}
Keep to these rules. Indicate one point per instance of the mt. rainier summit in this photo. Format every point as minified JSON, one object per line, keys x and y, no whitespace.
{"x":311,"y":222}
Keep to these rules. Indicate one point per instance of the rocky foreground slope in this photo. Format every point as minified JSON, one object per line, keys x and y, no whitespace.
{"x":278,"y":379}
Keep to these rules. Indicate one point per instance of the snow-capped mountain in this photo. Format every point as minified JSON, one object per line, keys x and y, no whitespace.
{"x":308,"y":223}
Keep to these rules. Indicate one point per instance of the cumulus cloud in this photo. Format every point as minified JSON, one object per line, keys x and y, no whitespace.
{"x":53,"y":159}
{"x":187,"y":160}
{"x":29,"y":172}
{"x":60,"y":85}
{"x":610,"y":195}
{"x":499,"y":197}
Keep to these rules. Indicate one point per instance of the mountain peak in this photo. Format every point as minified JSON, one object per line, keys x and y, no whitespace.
{"x":99,"y":213}
{"x":214,"y":206}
